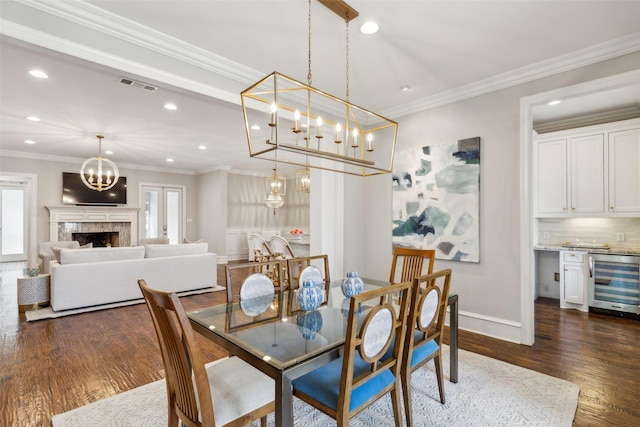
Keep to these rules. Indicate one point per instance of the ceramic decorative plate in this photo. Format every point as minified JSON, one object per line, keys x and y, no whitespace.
{"x":256,"y":285}
{"x":256,"y":306}
{"x":311,"y":273}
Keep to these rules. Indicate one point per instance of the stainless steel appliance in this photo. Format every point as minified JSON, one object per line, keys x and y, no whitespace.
{"x":614,"y":282}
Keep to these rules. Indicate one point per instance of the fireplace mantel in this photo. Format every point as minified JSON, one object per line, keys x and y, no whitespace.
{"x":92,"y":214}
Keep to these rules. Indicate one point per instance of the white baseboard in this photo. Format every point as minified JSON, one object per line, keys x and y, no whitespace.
{"x":494,"y":327}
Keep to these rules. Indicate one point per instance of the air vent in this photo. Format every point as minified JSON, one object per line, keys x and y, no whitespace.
{"x":141,"y":85}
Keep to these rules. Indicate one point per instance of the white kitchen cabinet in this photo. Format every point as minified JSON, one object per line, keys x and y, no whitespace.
{"x":573,"y":280}
{"x":624,"y":171}
{"x":588,"y":172}
{"x":551,"y":179}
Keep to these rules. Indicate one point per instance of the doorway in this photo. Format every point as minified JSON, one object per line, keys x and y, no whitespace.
{"x":528,"y":228}
{"x":14,"y":220}
{"x":164,"y":212}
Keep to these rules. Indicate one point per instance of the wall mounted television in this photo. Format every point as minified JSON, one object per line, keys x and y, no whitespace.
{"x":74,"y":192}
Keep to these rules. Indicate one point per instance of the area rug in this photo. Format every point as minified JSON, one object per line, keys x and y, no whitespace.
{"x":489,"y":393}
{"x":48,"y":313}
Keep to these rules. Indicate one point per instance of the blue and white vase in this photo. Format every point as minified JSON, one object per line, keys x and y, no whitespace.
{"x":310,"y":323}
{"x":309,"y":296}
{"x":352,"y":285}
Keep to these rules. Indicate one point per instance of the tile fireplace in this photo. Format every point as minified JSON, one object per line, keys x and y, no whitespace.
{"x":68,"y":223}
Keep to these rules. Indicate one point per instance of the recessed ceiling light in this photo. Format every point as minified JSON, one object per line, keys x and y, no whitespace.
{"x":170,"y":106}
{"x":169,"y":160}
{"x":39,"y":74}
{"x":369,"y":27}
{"x":108,"y":152}
{"x":255,"y":127}
{"x":405,"y":88}
{"x":202,"y":147}
{"x":33,"y":118}
{"x":554,"y":102}
{"x":29,"y":141}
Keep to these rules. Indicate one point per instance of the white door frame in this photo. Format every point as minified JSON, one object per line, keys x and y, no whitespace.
{"x":527,"y":220}
{"x":32,"y":220}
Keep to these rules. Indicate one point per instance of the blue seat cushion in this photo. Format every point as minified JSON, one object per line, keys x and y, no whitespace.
{"x":419,"y":354}
{"x":323,"y":383}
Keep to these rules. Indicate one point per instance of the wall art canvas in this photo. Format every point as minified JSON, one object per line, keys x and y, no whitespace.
{"x":436,"y":199}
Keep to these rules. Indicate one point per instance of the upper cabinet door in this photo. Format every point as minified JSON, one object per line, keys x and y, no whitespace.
{"x":551,"y":177}
{"x":587,"y":174}
{"x":624,"y":171}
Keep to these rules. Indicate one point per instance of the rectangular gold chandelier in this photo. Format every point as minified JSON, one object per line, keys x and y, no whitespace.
{"x":291,"y":122}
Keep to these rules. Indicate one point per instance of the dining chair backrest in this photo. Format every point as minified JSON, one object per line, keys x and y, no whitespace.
{"x":280,"y":245}
{"x":409,"y":263}
{"x":237,"y":274}
{"x":296,"y":267}
{"x":186,"y":377}
{"x":349,"y":384}
{"x":259,"y":246}
{"x":427,"y":314}
{"x":190,"y":387}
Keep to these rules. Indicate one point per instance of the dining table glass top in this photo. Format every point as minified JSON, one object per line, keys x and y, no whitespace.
{"x":276,"y":330}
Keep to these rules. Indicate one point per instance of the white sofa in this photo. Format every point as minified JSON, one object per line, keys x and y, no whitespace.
{"x":98,"y":276}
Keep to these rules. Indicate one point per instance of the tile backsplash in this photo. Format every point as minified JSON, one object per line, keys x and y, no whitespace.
{"x":590,"y":230}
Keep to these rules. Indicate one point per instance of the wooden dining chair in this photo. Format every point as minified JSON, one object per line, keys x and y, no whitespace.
{"x":229,"y":392}
{"x":260,"y":246}
{"x":236,"y":274}
{"x":408,"y":263}
{"x":427,"y":313}
{"x":280,"y":245}
{"x":347,"y":385}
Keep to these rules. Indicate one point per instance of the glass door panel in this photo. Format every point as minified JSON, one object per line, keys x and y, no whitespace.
{"x":13,"y":214}
{"x":163,"y":207}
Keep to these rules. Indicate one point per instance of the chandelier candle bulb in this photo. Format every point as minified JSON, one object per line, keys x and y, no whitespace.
{"x":296,"y":121}
{"x":274,"y":109}
{"x":355,"y":138}
{"x":338,"y":133}
{"x":319,"y":124}
{"x":369,"y":139}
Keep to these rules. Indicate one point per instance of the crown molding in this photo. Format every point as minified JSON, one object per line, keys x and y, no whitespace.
{"x":580,"y":58}
{"x":97,"y":19}
{"x":100,"y":20}
{"x":78,"y":161}
{"x":587,"y":120}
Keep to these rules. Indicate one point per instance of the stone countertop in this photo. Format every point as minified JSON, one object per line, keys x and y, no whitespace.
{"x":614,"y":250}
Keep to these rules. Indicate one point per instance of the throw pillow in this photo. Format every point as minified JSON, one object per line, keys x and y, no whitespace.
{"x":56,"y":252}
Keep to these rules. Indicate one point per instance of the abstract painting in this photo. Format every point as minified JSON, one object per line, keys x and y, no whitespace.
{"x":436,"y":199}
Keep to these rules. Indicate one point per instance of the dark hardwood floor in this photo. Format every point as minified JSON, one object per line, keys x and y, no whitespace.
{"x":52,"y":366}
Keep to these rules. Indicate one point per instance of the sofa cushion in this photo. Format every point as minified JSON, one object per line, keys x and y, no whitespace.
{"x":159,"y":251}
{"x":56,"y":250}
{"x":81,"y":256}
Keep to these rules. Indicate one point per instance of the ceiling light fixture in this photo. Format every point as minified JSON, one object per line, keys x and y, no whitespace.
{"x":39,"y":74}
{"x":29,"y":141}
{"x":275,"y":188}
{"x":202,"y":147}
{"x":33,"y":118}
{"x":554,"y":102}
{"x":303,"y":181}
{"x":107,"y":172}
{"x":369,"y":28}
{"x":170,"y":106}
{"x":336,"y":130}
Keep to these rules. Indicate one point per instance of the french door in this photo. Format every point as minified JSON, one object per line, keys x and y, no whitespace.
{"x":163,"y":212}
{"x":14,"y":216}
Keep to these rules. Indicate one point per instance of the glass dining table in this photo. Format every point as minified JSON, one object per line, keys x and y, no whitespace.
{"x":275,"y":336}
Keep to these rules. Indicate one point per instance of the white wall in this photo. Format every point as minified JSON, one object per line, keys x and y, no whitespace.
{"x":49,"y":191}
{"x":490,"y":290}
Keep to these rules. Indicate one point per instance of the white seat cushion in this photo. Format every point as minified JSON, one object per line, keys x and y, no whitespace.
{"x":237,"y":388}
{"x":80,"y":256}
{"x":158,"y":251}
